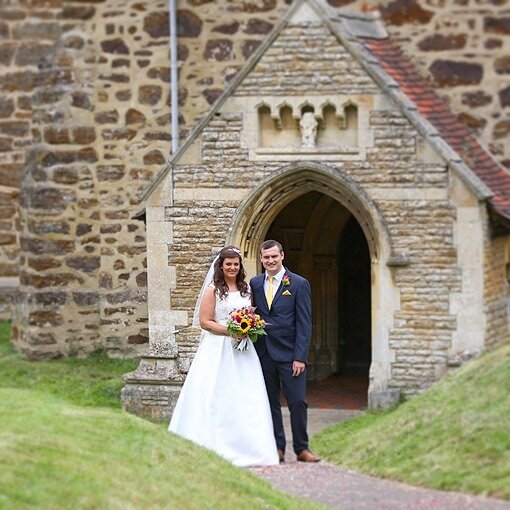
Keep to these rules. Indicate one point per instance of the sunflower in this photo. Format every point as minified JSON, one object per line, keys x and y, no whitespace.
{"x":244,"y":326}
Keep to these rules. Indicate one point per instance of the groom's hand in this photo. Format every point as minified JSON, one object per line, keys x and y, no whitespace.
{"x":298,"y":367}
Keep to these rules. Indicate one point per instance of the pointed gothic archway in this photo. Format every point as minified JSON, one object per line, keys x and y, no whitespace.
{"x":324,"y":243}
{"x":339,"y":213}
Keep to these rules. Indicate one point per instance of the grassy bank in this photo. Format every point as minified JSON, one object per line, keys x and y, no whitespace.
{"x":454,"y":437}
{"x":65,"y":443}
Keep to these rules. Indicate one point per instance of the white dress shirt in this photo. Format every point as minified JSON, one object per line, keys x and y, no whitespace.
{"x":276,"y":282}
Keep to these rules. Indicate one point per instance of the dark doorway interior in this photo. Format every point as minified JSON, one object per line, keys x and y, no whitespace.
{"x":324,"y":243}
{"x":354,"y":353}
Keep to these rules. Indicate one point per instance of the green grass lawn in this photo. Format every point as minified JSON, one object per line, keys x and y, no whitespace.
{"x":65,"y":443}
{"x":456,"y":436}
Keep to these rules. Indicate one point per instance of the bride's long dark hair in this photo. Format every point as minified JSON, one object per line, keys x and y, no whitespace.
{"x":220,"y":285}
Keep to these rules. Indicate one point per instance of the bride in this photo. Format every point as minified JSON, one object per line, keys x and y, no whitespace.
{"x":223,"y":404}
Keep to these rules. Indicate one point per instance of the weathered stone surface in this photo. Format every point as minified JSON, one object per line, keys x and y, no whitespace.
{"x":87,"y":155}
{"x":339,"y":3}
{"x":401,"y":12}
{"x":440,"y":42}
{"x":82,"y":229}
{"x":504,"y":96}
{"x":6,"y":238}
{"x":134,"y":116}
{"x":497,"y":25}
{"x":121,"y":62}
{"x":105,"y":281}
{"x":131,"y":250}
{"x":472,"y":121}
{"x":115,"y":46}
{"x":149,"y":94}
{"x":110,"y":172}
{"x":475,"y":99}
{"x":51,"y":298}
{"x":182,"y":52}
{"x":5,"y":144}
{"x":156,"y":24}
{"x":37,"y":31}
{"x":49,"y":227}
{"x":257,"y":26}
{"x":219,"y":49}
{"x":82,"y":100}
{"x":118,"y":134}
{"x":248,"y":48}
{"x":85,"y":264}
{"x":10,"y":174}
{"x":32,"y":54}
{"x":160,"y":73}
{"x":138,"y":339}
{"x":7,"y":51}
{"x":188,"y":24}
{"x":41,"y":338}
{"x":212,"y":94}
{"x":47,"y":246}
{"x":56,"y":135}
{"x":227,"y":28}
{"x":74,"y":42}
{"x":45,"y":318}
{"x":80,"y":12}
{"x":154,"y":158}
{"x":22,"y":81}
{"x":84,"y":135}
{"x":123,"y":95}
{"x":6,"y":107}
{"x":14,"y":128}
{"x":42,"y":264}
{"x":502,"y":129}
{"x":86,"y":298}
{"x":253,"y":5}
{"x":448,"y":73}
{"x":48,"y":199}
{"x":502,"y":65}
{"x":50,"y":280}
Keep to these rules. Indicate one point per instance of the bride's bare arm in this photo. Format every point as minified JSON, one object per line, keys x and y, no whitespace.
{"x":207,"y":313}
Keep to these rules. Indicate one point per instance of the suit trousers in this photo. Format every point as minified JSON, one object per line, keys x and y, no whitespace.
{"x":278,"y":376}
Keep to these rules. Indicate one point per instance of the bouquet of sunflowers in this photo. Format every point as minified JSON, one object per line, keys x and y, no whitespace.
{"x":244,"y":321}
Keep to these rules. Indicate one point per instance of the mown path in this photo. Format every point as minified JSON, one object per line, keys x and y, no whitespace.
{"x":341,"y":488}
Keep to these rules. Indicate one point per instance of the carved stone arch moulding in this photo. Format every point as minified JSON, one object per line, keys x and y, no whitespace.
{"x":254,"y":217}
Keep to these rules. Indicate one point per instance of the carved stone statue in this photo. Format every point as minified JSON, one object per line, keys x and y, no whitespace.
{"x":308,"y":126}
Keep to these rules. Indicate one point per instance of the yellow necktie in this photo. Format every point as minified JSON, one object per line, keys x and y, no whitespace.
{"x":270,"y":290}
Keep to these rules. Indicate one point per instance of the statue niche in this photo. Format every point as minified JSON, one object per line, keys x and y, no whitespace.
{"x":308,"y":128}
{"x":308,"y":125}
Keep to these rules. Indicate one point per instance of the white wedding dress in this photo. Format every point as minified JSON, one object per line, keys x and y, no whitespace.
{"x":223,"y":404}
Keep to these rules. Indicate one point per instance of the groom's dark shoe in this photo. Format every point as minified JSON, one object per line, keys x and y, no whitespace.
{"x":281,"y":455}
{"x":307,"y":456}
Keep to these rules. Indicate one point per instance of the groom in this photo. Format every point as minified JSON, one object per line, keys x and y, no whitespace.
{"x":283,"y":300}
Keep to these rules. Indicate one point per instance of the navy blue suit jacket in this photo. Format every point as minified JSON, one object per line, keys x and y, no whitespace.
{"x":289,"y":327}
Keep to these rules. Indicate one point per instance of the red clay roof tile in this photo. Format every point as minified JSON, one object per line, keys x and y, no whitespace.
{"x":439,"y":114}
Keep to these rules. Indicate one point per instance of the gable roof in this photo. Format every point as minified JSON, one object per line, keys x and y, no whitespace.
{"x":458,"y":136}
{"x":365,"y":38}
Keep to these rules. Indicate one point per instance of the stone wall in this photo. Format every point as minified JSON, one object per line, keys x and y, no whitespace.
{"x":101,"y":132}
{"x":422,"y":226}
{"x":496,"y":292}
{"x":85,"y":117}
{"x":461,"y":46}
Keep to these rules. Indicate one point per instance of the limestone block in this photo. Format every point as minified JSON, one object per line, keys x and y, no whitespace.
{"x":211,"y":194}
{"x":158,"y":281}
{"x":160,"y":232}
{"x":383,"y":400}
{"x":155,"y":214}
